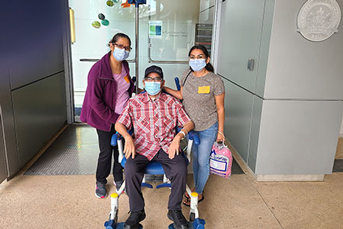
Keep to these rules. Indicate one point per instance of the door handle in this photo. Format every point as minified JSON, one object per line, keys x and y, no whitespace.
{"x":251,"y":64}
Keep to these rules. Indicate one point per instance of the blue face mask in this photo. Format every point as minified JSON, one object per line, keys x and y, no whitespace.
{"x":152,"y":88}
{"x":120,"y":54}
{"x":197,"y":64}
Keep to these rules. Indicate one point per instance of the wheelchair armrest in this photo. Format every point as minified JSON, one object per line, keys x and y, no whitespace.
{"x":194,"y":136}
{"x":116,"y":140}
{"x":191,"y":135}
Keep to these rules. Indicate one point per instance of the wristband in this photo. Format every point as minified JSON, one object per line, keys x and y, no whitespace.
{"x":182,"y":133}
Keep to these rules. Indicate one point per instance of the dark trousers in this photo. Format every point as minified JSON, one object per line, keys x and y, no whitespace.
{"x":175,"y":170}
{"x":105,"y":158}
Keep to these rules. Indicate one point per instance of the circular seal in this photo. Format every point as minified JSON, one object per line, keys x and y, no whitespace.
{"x":319,"y":19}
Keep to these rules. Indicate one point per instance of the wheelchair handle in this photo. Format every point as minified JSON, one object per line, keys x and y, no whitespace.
{"x":177,"y":82}
{"x":114,"y":139}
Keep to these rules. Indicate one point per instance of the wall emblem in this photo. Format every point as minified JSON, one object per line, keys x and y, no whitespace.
{"x":319,"y":19}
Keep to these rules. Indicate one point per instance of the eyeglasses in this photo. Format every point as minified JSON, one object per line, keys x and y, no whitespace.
{"x":149,"y":79}
{"x":192,"y":57}
{"x":127,"y":48}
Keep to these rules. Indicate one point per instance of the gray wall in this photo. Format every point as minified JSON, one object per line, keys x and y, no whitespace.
{"x":316,"y":67}
{"x":302,"y":98}
{"x":32,"y":87}
{"x":283,"y":117}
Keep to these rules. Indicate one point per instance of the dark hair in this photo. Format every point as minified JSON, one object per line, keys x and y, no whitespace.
{"x":119,"y":35}
{"x":208,"y":66}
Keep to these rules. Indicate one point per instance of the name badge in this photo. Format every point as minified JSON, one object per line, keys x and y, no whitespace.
{"x":127,"y":79}
{"x":204,"y":90}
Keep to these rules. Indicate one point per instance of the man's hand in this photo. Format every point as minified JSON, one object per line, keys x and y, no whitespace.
{"x":174,"y":146}
{"x":129,"y":148}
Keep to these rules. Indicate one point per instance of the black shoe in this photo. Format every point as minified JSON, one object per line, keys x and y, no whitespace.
{"x":100,"y":190}
{"x":118,"y":185}
{"x":133,"y":221}
{"x":180,"y":221}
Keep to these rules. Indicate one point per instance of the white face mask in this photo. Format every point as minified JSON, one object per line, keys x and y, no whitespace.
{"x":153,"y":88}
{"x":197,"y":64}
{"x":120,"y":54}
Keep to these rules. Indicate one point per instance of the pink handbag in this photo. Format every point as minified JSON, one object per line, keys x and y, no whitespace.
{"x":221,"y":160}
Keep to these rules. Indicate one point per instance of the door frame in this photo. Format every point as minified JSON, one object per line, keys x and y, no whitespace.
{"x":3,"y":160}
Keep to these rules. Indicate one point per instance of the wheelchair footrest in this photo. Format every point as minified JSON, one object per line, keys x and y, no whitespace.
{"x":112,"y":225}
{"x":146,"y":185}
{"x":196,"y":224}
{"x":164,"y":185}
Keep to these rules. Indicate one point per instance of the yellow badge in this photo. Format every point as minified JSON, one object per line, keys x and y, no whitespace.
{"x":127,"y":79}
{"x":204,"y":90}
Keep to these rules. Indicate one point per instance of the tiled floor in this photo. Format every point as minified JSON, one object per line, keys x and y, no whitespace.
{"x":75,"y":152}
{"x":241,"y":202}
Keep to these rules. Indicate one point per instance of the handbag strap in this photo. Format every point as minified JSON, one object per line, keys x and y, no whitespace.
{"x":184,"y":82}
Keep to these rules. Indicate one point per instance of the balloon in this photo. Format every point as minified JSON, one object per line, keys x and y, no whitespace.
{"x":109,"y":3}
{"x":96,"y":24}
{"x":105,"y":22}
{"x":101,"y":16}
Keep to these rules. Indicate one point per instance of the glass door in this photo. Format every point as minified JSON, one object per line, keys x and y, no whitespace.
{"x":167,"y":30}
{"x":95,"y":24}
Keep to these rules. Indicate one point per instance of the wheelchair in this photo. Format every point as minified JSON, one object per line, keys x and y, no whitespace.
{"x":154,"y":168}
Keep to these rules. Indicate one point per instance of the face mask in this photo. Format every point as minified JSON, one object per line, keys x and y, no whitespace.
{"x":197,"y":64}
{"x":152,"y":88}
{"x":120,"y":54}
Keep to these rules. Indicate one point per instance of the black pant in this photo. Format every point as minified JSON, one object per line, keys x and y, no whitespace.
{"x":175,"y":170}
{"x":105,"y":158}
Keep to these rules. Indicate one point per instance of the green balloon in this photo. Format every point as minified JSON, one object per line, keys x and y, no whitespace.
{"x":96,"y":24}
{"x":105,"y":22}
{"x":109,"y":3}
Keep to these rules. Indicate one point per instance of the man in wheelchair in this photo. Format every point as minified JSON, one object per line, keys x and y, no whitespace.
{"x":154,"y":116}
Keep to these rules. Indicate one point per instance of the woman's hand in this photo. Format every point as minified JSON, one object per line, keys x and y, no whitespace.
{"x":220,"y":137}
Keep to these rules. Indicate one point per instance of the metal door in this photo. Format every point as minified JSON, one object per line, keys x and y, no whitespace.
{"x":240,"y":41}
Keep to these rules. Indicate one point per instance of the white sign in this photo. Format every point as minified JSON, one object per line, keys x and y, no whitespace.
{"x":319,"y":19}
{"x":155,"y":29}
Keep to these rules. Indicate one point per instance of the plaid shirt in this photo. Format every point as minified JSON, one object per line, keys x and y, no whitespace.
{"x":153,"y":121}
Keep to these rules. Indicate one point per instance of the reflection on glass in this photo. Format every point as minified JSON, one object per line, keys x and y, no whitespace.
{"x":168,"y":27}
{"x":203,"y":35}
{"x":177,"y":20}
